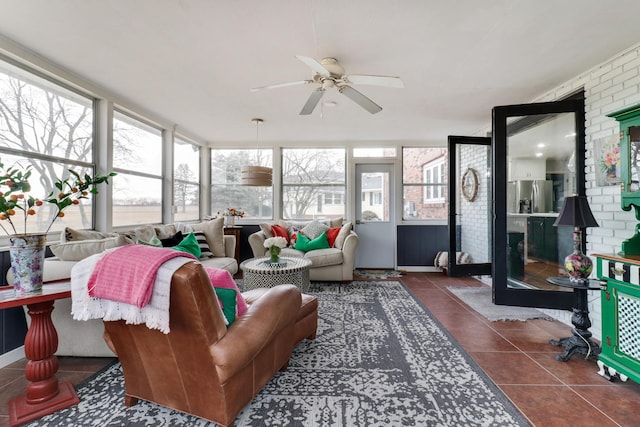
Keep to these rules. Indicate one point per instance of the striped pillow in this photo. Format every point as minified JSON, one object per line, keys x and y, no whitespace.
{"x":205,"y":252}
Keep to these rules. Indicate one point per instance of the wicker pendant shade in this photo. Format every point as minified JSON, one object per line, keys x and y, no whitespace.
{"x":256,"y":176}
{"x":259,"y":176}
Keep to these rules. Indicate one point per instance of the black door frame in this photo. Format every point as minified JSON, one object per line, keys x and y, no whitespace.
{"x":455,"y":269}
{"x":502,"y":294}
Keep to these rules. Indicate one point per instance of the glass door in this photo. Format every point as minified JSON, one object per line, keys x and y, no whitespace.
{"x":538,"y":160}
{"x":470,"y":206}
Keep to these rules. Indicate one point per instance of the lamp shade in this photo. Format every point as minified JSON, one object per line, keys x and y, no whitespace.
{"x":257,"y":176}
{"x":576,"y":213}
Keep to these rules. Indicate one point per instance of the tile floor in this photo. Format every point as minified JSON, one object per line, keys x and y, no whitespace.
{"x":515,"y":355}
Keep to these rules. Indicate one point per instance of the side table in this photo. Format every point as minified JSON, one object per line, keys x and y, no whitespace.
{"x":258,"y":273}
{"x":580,"y":340}
{"x":44,"y":395}
{"x":234,"y":230}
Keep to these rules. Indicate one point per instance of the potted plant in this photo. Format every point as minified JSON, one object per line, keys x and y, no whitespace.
{"x":17,"y":206}
{"x":230,"y":215}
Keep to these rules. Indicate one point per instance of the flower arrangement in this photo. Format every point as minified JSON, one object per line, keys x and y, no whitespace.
{"x":14,"y":197}
{"x":232,"y":212}
{"x":275,"y":245}
{"x":610,"y":161}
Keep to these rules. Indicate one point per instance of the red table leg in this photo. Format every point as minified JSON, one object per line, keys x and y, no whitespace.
{"x":44,"y":395}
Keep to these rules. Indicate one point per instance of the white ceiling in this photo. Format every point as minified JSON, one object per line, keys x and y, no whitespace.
{"x":192,"y":62}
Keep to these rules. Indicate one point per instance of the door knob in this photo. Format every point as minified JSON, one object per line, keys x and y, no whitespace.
{"x":358,"y":221}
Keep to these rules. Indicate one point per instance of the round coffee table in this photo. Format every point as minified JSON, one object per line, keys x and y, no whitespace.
{"x":260,"y":273}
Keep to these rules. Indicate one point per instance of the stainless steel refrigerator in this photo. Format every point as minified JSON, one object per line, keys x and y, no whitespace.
{"x":530,"y":196}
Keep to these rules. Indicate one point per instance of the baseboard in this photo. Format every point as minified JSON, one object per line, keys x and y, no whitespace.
{"x":420,"y":269}
{"x":9,"y":357}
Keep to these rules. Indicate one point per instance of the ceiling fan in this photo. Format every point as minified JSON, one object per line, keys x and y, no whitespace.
{"x":329,"y":74}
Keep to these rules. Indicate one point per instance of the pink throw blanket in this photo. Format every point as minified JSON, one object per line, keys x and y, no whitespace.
{"x":127,"y":273}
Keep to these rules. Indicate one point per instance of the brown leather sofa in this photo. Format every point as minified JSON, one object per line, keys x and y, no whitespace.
{"x":201,"y":367}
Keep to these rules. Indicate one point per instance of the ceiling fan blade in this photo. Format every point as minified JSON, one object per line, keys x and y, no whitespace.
{"x":360,"y":99}
{"x":277,"y":85}
{"x":311,"y":103}
{"x":314,"y":65}
{"x":363,"y":79}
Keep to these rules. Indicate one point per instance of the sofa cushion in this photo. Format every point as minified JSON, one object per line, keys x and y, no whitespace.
{"x":314,"y":229}
{"x":205,"y":252}
{"x":165,"y":231}
{"x":76,"y":251}
{"x":172,"y":240}
{"x":189,"y":245}
{"x":280,"y":231}
{"x":145,"y":232}
{"x":153,"y":242}
{"x":73,"y":235}
{"x":332,"y":234}
{"x":291,"y":252}
{"x":323,"y":257}
{"x":342,"y":235}
{"x":222,"y":279}
{"x":225,"y":263}
{"x":227,"y":301}
{"x":214,"y":232}
{"x":304,"y":244}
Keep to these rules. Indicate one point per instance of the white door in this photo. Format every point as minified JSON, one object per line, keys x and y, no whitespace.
{"x":375,"y":221}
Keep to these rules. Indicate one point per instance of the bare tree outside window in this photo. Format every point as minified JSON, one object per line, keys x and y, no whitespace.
{"x":44,"y":125}
{"x":308,"y":174}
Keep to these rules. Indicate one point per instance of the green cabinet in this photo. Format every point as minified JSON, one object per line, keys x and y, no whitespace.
{"x":542,"y":238}
{"x":620,"y":316}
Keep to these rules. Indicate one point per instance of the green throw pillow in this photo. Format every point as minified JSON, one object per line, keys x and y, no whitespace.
{"x":227,"y":298}
{"x":189,"y":245}
{"x":153,"y":242}
{"x":304,"y":244}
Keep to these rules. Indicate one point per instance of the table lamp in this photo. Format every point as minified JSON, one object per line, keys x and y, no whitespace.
{"x":577,"y":214}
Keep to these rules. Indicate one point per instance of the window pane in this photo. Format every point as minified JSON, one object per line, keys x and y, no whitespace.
{"x":415,"y":206}
{"x":186,"y":181}
{"x":136,"y":200}
{"x":257,"y":202}
{"x":186,"y":201}
{"x":79,"y":216}
{"x":414,"y":161}
{"x":186,"y":161}
{"x":313,"y":166}
{"x":136,"y":146}
{"x":304,"y":202}
{"x":227,"y":190}
{"x":374,"y":152}
{"x":38,"y":116}
{"x":313,"y":183}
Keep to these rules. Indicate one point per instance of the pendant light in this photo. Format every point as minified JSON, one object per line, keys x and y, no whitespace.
{"x":256,"y":176}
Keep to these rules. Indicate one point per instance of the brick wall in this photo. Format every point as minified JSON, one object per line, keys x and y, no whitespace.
{"x":474,"y":217}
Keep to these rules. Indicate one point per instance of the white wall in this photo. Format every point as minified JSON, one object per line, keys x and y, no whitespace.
{"x":609,"y":87}
{"x":474,"y":216}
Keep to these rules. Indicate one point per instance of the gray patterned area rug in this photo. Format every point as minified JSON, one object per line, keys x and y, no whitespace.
{"x":379,"y":359}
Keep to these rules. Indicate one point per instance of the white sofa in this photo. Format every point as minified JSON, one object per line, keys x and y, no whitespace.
{"x":84,"y":338}
{"x":333,"y":264}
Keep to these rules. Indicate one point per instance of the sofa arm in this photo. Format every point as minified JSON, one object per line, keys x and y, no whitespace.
{"x":229,"y":246}
{"x":255,"y":329}
{"x":349,"y":248}
{"x":256,"y":241}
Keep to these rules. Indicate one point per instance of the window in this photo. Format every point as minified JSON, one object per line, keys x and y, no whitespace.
{"x":50,"y":128}
{"x":374,"y":152}
{"x":434,"y":177}
{"x":186,"y":181}
{"x":306,"y":175}
{"x":424,"y":182}
{"x":226,"y":186}
{"x":137,"y":158}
